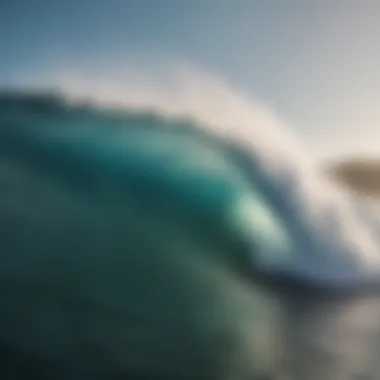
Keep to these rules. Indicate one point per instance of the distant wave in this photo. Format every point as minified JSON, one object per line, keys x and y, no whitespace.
{"x":335,"y":235}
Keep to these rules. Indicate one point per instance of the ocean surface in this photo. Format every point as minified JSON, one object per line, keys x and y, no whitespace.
{"x":136,"y":211}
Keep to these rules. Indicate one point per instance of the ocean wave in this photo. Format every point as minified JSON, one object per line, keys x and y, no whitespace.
{"x":231,"y":143}
{"x":138,"y":220}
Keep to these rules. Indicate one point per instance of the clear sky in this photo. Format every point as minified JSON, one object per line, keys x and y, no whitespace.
{"x":316,"y":61}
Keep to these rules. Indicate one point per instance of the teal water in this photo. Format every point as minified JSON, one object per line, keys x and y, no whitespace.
{"x":138,"y":246}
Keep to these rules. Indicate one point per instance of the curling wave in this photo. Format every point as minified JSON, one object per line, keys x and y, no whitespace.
{"x":214,"y":150}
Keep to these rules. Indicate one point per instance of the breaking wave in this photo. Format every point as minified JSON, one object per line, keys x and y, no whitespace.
{"x":334,"y":235}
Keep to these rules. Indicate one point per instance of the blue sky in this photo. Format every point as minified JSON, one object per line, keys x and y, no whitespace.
{"x":316,"y":61}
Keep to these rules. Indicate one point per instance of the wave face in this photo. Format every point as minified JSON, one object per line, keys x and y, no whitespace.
{"x":153,"y":225}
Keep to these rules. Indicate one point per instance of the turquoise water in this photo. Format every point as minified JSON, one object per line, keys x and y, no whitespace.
{"x":140,"y":246}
